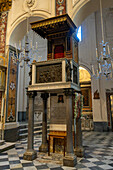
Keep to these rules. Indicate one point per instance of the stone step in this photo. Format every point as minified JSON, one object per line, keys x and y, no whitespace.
{"x":25,"y":130}
{"x":6,"y":146}
{"x":25,"y":125}
{"x":24,"y":135}
{"x":2,"y":142}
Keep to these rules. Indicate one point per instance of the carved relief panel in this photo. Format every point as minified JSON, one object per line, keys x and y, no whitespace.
{"x":49,"y":73}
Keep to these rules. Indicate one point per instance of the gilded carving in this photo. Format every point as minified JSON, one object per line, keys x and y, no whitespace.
{"x":46,"y":23}
{"x":84,"y":75}
{"x":5,"y":5}
{"x":30,"y":3}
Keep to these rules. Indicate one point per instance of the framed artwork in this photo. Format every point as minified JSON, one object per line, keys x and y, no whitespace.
{"x":87,"y":100}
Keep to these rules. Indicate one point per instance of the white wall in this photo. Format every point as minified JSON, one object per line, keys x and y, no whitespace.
{"x":39,"y":55}
{"x":91,"y":37}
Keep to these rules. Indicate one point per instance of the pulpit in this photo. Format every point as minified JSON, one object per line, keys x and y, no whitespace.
{"x":58,"y":77}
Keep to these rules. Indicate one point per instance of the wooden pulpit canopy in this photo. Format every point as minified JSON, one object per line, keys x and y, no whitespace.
{"x":49,"y":27}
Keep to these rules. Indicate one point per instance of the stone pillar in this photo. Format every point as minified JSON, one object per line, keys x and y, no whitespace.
{"x":70,"y":159}
{"x":30,"y":154}
{"x":44,"y":145}
{"x":79,"y":150}
{"x":27,"y":107}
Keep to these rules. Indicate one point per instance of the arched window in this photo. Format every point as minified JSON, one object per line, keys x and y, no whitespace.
{"x":79,"y":33}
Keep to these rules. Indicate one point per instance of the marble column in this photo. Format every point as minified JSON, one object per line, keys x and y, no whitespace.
{"x":44,"y":145}
{"x":79,"y":150}
{"x":70,"y":159}
{"x":30,"y":154}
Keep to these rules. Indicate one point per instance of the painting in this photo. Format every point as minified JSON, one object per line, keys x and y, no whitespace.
{"x":86,"y":92}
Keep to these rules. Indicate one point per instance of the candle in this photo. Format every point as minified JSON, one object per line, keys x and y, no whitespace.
{"x":20,"y":44}
{"x":31,"y":44}
{"x":93,"y":70}
{"x":112,"y":64}
{"x":102,"y":55}
{"x":15,"y":45}
{"x":96,"y":53}
{"x":13,"y":54}
{"x":100,"y":68}
{"x":36,"y":45}
{"x":108,"y":50}
{"x":97,"y":73}
{"x":24,"y":52}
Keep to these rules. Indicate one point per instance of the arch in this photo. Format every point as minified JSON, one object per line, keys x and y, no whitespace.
{"x":36,"y":15}
{"x":86,"y":67}
{"x":85,"y":7}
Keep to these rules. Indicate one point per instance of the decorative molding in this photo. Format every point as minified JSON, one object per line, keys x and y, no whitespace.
{"x":30,"y":3}
{"x":75,"y":2}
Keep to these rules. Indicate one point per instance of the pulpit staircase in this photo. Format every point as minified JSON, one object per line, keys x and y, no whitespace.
{"x":23,"y":129}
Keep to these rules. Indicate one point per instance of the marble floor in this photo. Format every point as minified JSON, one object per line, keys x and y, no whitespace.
{"x":98,"y":155}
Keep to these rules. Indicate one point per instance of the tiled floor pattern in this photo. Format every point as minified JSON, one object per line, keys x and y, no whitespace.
{"x":98,"y":155}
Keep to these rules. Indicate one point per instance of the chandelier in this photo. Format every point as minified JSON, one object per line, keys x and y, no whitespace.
{"x":25,"y":52}
{"x":104,"y":60}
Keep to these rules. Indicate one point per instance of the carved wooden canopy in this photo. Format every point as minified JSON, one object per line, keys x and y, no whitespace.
{"x":5,"y":5}
{"x":58,"y":24}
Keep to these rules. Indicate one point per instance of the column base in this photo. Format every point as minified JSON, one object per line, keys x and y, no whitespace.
{"x":43,"y":148}
{"x":79,"y":151}
{"x":70,"y":161}
{"x":30,"y":155}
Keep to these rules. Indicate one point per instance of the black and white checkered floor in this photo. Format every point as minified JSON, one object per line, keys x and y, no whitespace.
{"x":98,"y":155}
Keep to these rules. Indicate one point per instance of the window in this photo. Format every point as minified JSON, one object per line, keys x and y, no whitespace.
{"x":79,"y":33}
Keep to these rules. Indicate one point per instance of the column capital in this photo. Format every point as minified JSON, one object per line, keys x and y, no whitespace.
{"x":69,"y":92}
{"x":44,"y":96}
{"x":31,"y":94}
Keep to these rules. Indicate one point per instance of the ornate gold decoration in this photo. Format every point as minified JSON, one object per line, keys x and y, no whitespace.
{"x":84,"y":75}
{"x":5,"y":5}
{"x":51,"y":26}
{"x":30,"y":3}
